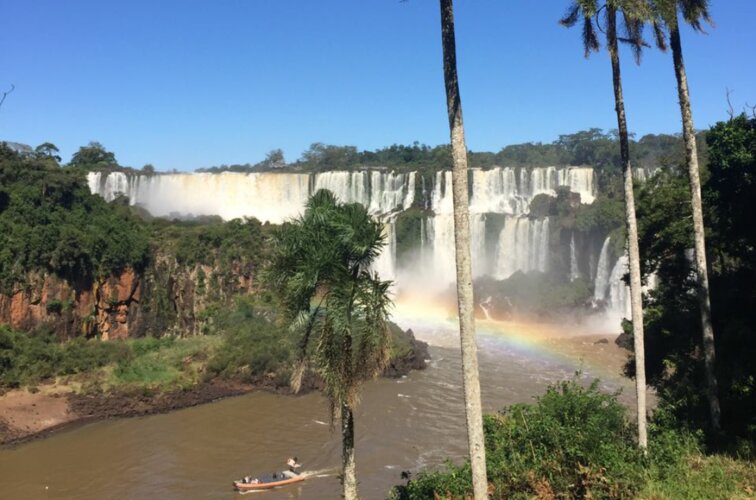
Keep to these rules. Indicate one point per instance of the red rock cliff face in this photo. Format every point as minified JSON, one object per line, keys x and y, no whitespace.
{"x":125,"y":305}
{"x":107,"y":308}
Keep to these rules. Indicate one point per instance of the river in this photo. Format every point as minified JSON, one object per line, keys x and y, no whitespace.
{"x":402,"y":424}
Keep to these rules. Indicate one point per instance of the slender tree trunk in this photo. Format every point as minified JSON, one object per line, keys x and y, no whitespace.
{"x":691,"y":157}
{"x":348,"y":466}
{"x":632,"y":231}
{"x":470,"y":376}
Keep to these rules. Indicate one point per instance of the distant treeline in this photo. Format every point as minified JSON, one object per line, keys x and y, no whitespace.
{"x":592,"y":147}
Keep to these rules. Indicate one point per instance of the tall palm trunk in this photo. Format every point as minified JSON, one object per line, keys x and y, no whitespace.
{"x":632,"y":230}
{"x":691,"y":157}
{"x":471,"y":381}
{"x":348,"y":466}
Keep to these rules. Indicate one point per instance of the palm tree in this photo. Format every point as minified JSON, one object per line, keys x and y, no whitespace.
{"x":589,"y":10}
{"x":693,"y":12}
{"x":470,"y":376}
{"x":320,"y":270}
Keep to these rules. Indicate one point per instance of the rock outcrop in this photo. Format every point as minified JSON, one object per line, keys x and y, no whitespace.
{"x":166,"y":297}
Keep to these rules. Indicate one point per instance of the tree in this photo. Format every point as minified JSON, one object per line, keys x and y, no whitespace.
{"x":47,"y":150}
{"x":320,"y":268}
{"x":148,"y":169}
{"x":275,"y":159}
{"x":674,"y":350}
{"x":325,"y":156}
{"x":93,"y":155}
{"x":465,"y":301}
{"x":588,"y":9}
{"x":693,"y":12}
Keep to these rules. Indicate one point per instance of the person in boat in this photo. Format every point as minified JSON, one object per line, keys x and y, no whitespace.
{"x":292,"y":470}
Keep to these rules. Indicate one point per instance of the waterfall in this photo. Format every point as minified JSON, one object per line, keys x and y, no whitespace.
{"x":574,"y":271}
{"x":478,"y":244}
{"x":111,"y":186}
{"x":580,"y":180}
{"x":504,"y":239}
{"x":268,"y":196}
{"x":496,"y":191}
{"x":619,"y":292}
{"x":484,"y":305}
{"x":523,"y":246}
{"x":441,"y":196}
{"x":385,"y":264}
{"x":603,"y":272}
{"x":440,"y":246}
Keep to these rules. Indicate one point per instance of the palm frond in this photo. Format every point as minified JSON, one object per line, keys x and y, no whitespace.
{"x":571,"y":16}
{"x":659,"y":35}
{"x":590,"y":40}
{"x":633,"y":28}
{"x":695,"y":13}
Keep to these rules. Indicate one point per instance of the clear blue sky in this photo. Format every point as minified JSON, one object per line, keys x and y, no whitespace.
{"x":190,"y":83}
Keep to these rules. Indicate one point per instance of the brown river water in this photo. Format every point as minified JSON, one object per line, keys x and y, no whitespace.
{"x":402,"y":424}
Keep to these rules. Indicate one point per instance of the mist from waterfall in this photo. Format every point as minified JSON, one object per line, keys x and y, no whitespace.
{"x":505,"y":237}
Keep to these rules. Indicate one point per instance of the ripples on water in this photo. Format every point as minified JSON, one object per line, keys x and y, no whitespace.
{"x":409,"y":423}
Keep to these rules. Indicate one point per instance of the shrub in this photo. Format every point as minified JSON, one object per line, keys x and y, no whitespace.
{"x":27,"y":359}
{"x":252,"y":345}
{"x":574,"y":442}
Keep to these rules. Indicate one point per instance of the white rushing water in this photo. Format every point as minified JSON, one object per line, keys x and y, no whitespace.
{"x":619,"y":291}
{"x":603,"y":272}
{"x":574,"y":269}
{"x":505,"y":238}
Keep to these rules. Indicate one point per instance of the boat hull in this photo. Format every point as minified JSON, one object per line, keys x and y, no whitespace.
{"x":267,"y":486}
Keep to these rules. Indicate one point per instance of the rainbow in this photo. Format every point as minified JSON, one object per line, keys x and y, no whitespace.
{"x":571,"y":347}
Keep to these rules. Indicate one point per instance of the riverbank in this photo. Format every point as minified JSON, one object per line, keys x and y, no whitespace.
{"x":26,"y":415}
{"x":30,"y":414}
{"x":157,"y":377}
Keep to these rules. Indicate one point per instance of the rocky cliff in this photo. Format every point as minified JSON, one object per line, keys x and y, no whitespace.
{"x":165,"y":298}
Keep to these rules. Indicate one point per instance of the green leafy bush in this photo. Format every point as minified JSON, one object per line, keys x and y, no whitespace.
{"x":575,"y":442}
{"x":50,"y":222}
{"x":27,"y":359}
{"x":252,"y":346}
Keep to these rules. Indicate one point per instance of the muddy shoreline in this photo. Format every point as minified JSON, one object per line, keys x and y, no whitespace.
{"x":27,"y":415}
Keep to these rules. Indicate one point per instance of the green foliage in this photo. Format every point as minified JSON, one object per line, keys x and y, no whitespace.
{"x":574,"y":442}
{"x":167,"y":363}
{"x":542,"y":205}
{"x":27,"y":359}
{"x":210,"y":241}
{"x":319,"y":269}
{"x":50,"y":222}
{"x":253,"y":347}
{"x":603,"y":215}
{"x":592,"y":147}
{"x":93,"y":156}
{"x":672,"y":318}
{"x":732,"y":186}
{"x":145,"y":371}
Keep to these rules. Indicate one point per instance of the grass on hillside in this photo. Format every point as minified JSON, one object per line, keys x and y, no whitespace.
{"x":701,"y":477}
